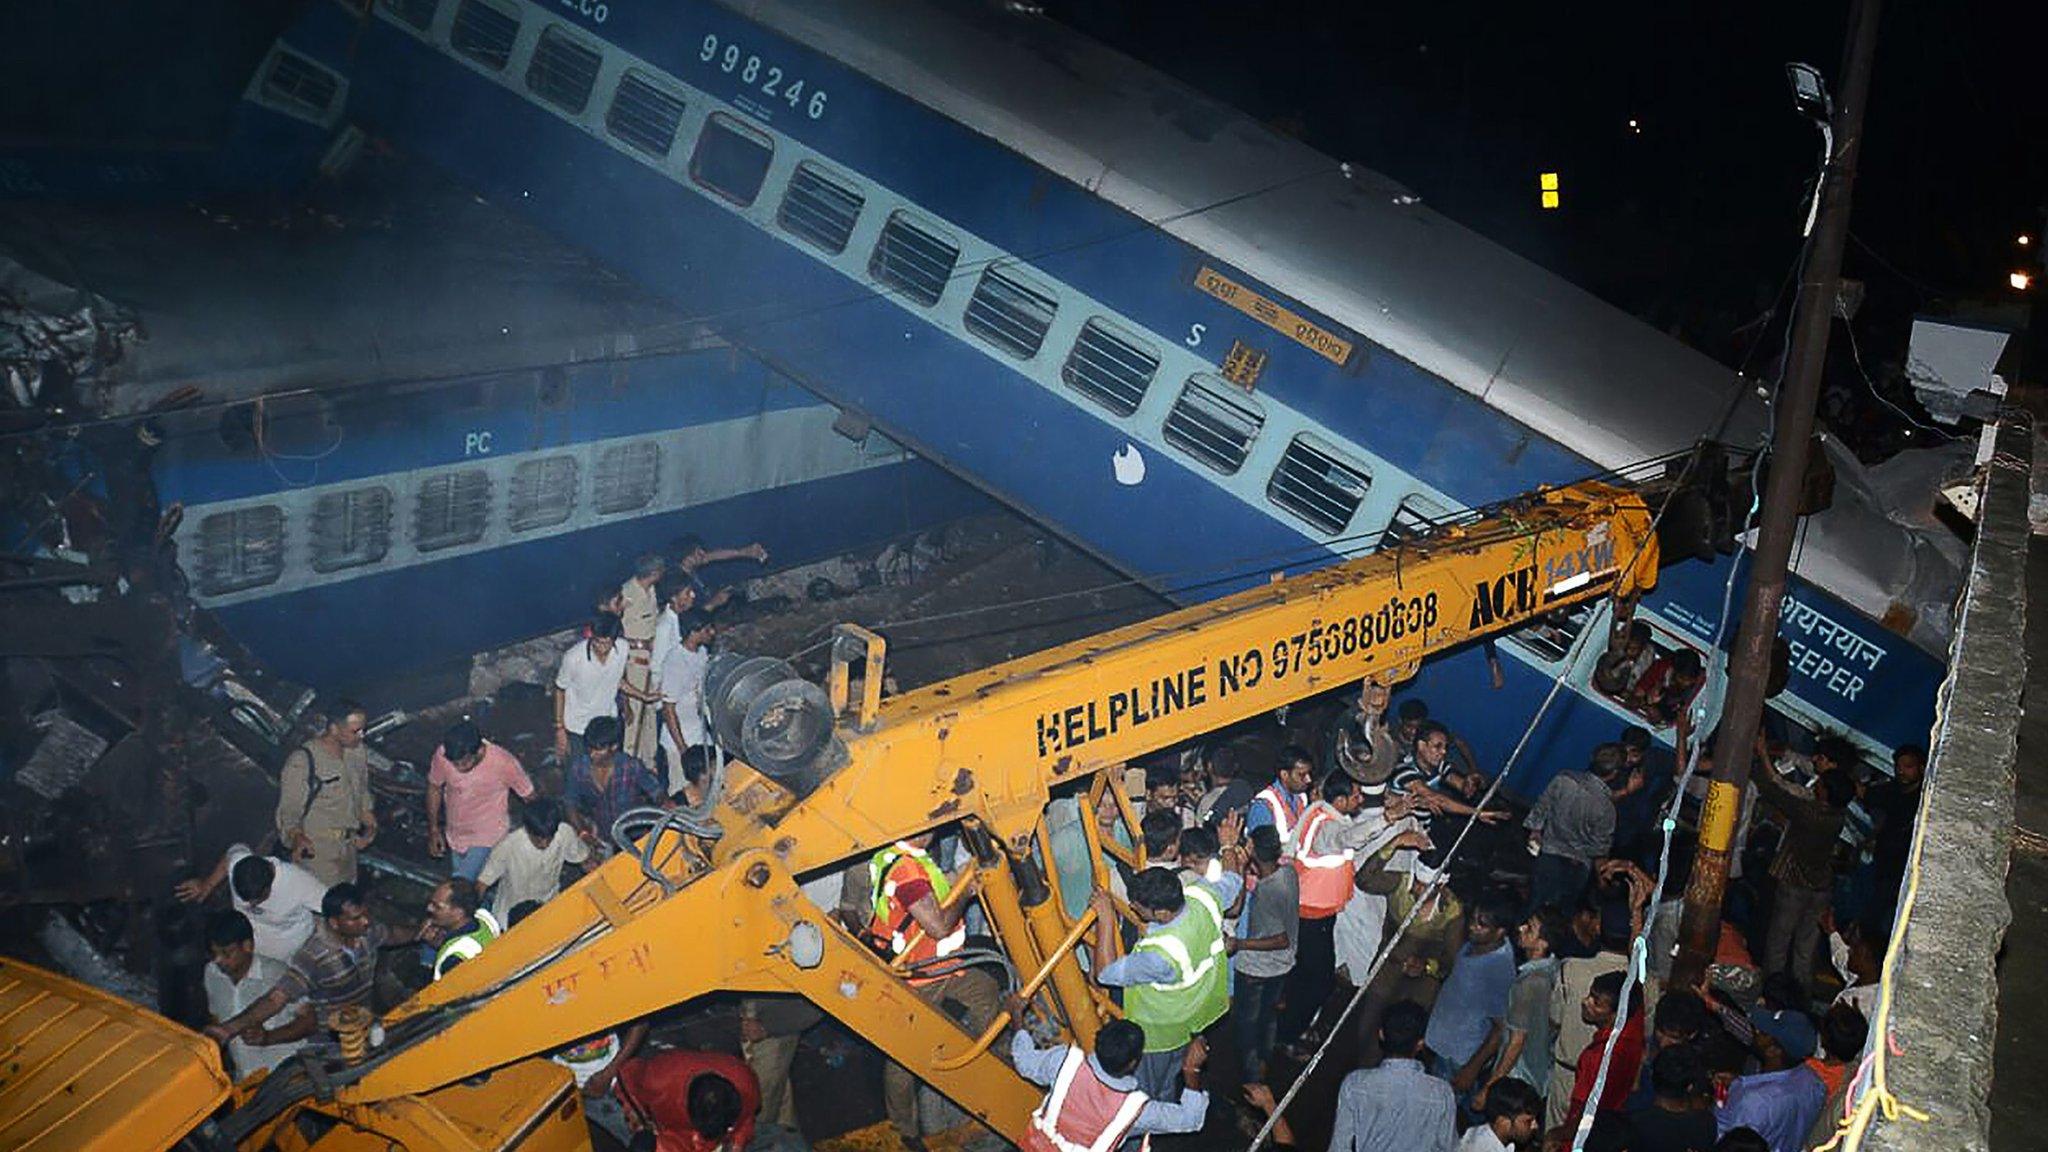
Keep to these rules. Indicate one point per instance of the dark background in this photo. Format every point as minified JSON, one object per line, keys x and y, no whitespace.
{"x":1691,"y":223}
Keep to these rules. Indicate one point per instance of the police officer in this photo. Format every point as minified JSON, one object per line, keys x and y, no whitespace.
{"x":324,"y":811}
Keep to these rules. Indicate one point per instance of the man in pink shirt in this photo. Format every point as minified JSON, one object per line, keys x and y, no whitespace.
{"x":467,"y":810}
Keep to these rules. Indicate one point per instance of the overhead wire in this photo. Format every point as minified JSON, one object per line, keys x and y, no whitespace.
{"x":1174,"y":582}
{"x":1566,"y":664}
{"x":1637,"y":969}
{"x":1856,"y":354}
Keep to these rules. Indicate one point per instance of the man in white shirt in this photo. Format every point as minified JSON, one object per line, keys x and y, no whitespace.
{"x":1514,"y":1119}
{"x":280,"y":899}
{"x":681,"y":676}
{"x":236,"y":978}
{"x":1361,"y":923}
{"x":587,"y":684}
{"x":527,"y":863}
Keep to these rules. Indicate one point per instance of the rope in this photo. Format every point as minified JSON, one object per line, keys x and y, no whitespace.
{"x":1639,"y":948}
{"x":1876,"y":1098}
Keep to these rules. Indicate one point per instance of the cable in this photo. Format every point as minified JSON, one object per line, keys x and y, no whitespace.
{"x":1901,"y":273}
{"x":1856,"y":354}
{"x":1380,"y":958}
{"x":1639,"y":949}
{"x":1386,"y":950}
{"x":259,"y":422}
{"x":1176,"y":582}
{"x":1877,"y":1097}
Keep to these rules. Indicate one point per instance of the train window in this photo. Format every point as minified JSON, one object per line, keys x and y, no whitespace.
{"x":1214,"y":422}
{"x":1550,"y":637}
{"x":543,"y":493}
{"x":1649,"y":671}
{"x":297,"y":82}
{"x":452,"y":509}
{"x":731,"y":159}
{"x":351,"y":528}
{"x":1315,"y":482}
{"x":627,"y":477}
{"x":1011,"y":311}
{"x":414,"y":13}
{"x":241,"y":549}
{"x":1110,"y":367}
{"x":819,"y":209}
{"x":563,"y":71}
{"x":643,"y":115}
{"x":484,"y":32}
{"x":914,"y":259}
{"x":1417,"y":517}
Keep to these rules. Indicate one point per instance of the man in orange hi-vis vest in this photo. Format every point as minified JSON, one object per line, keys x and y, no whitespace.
{"x":1324,"y":864}
{"x":918,"y":925}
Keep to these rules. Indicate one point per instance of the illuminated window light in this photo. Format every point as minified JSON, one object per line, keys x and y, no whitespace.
{"x":1547,"y":181}
{"x":1550,"y":200}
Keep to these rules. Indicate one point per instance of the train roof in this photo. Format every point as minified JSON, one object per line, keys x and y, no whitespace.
{"x":1356,"y":246}
{"x":1347,"y":241}
{"x":396,"y":275}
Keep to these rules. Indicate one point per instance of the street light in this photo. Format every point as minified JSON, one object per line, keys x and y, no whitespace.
{"x":2020,"y":281}
{"x":1810,"y":97}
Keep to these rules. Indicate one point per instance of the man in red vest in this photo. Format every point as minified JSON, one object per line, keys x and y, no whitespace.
{"x":1095,"y":1102}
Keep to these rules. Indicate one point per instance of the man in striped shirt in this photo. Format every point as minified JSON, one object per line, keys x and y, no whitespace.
{"x":335,"y":968}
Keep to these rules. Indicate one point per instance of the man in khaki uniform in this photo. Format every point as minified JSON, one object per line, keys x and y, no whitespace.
{"x":324,"y":810}
{"x":640,"y":610}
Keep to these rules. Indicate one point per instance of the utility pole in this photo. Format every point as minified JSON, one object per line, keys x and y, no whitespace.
{"x":1749,"y":663}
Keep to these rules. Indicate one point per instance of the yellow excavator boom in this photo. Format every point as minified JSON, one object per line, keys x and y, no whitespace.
{"x":989,"y":749}
{"x":1014,"y":756}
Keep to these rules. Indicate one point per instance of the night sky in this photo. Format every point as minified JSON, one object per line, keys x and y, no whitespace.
{"x":1692,"y":222}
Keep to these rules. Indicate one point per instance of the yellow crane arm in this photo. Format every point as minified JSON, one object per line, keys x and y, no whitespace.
{"x":990,"y":747}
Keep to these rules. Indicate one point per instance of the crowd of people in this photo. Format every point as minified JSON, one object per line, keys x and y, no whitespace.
{"x":296,"y":947}
{"x":1251,"y":903}
{"x":1500,"y":1013}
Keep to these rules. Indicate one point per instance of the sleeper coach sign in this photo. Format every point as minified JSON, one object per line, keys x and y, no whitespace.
{"x":1825,"y":651}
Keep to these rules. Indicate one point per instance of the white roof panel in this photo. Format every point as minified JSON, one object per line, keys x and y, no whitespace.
{"x":1337,"y":239}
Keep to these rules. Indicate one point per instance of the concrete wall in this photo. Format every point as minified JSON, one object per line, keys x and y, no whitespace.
{"x":1944,"y":1005}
